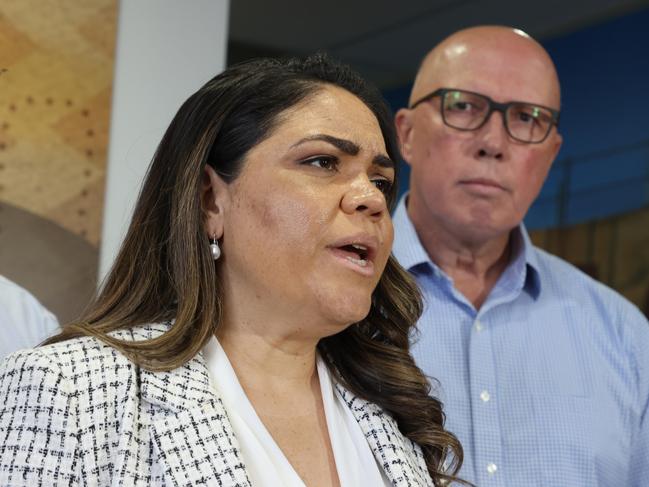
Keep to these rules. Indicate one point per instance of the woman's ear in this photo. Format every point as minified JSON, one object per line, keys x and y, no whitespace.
{"x":214,"y":201}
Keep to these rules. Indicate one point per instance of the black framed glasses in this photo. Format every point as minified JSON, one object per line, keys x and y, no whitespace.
{"x":466,"y":110}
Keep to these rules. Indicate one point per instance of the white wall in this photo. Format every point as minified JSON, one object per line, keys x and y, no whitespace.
{"x":166,"y":49}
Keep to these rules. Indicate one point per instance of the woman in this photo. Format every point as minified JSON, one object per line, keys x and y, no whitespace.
{"x":254,"y":328}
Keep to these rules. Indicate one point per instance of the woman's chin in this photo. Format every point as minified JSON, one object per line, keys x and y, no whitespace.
{"x":348,"y":312}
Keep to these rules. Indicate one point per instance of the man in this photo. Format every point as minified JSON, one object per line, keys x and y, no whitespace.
{"x":544,"y":372}
{"x":24,"y":322}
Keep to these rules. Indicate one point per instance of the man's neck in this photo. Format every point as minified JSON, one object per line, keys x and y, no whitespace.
{"x":474,"y":265}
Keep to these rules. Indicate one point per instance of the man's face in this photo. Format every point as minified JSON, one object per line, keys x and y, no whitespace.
{"x":479,"y":184}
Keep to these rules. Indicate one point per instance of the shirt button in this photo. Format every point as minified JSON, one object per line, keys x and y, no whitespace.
{"x":485,"y":396}
{"x":478,"y":326}
{"x":491,"y":468}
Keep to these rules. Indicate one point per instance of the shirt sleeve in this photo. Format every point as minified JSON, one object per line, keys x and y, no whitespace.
{"x":639,"y":471}
{"x":24,"y":322}
{"x":38,"y":423}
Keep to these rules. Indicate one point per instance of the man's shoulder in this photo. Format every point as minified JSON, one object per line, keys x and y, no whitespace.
{"x":596,"y":310}
{"x":11,"y":293}
{"x":567,"y":281}
{"x":565,"y":274}
{"x":24,"y":321}
{"x":11,"y":289}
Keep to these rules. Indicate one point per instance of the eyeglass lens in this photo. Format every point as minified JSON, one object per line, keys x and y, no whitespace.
{"x":468,"y":111}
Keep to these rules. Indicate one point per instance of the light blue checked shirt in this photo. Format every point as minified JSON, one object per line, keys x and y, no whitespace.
{"x":548,"y":383}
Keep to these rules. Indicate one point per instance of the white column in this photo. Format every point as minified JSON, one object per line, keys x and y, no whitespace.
{"x":166,"y":49}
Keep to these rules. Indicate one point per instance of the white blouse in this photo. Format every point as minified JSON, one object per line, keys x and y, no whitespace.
{"x":266,"y":464}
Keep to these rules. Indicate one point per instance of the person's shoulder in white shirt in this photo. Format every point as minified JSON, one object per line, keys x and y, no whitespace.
{"x":24,"y":322}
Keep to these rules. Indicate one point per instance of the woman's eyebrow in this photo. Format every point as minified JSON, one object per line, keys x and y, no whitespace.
{"x":383,"y":161}
{"x":347,"y":146}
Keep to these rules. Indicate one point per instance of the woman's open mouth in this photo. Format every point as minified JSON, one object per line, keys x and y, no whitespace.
{"x":358,"y":253}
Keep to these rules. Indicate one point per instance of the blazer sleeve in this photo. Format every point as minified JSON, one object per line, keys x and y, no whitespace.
{"x":38,"y":422}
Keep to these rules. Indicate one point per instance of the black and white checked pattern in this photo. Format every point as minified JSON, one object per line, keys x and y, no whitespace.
{"x":400,"y":458}
{"x":80,"y":413}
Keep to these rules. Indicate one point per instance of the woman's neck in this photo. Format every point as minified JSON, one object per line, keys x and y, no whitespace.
{"x":263,"y":357}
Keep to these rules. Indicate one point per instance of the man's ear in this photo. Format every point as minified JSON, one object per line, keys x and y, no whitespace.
{"x":215,"y":197}
{"x":403,"y":122}
{"x":557,"y":145}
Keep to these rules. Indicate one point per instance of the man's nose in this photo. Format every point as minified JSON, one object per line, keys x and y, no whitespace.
{"x":363,"y":196}
{"x":493,"y":137}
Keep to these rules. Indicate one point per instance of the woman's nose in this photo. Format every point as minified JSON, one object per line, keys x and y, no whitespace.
{"x":363,"y":196}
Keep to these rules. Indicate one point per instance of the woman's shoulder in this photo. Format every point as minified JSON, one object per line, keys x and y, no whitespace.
{"x":76,"y":359}
{"x":69,"y":399}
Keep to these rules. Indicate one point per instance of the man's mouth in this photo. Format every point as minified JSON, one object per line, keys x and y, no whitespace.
{"x":486,"y":184}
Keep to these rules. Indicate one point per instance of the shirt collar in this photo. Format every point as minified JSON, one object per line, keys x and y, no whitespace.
{"x":528,"y":253}
{"x":407,"y":248}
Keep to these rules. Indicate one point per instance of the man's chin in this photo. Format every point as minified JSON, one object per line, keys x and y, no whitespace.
{"x":482,"y":229}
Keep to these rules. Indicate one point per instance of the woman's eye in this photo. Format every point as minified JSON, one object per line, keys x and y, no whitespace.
{"x":383,"y":185}
{"x":328,"y":163}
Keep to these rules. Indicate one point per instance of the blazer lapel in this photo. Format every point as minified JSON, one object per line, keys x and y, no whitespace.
{"x":401,"y":459}
{"x":197,"y":447}
{"x":191,"y":430}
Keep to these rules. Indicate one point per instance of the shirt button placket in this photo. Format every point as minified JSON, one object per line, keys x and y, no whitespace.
{"x":486,"y":424}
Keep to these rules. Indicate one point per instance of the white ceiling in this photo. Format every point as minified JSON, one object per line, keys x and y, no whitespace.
{"x":386,"y":39}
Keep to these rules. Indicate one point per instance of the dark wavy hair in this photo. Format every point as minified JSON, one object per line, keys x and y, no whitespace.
{"x":164,"y":269}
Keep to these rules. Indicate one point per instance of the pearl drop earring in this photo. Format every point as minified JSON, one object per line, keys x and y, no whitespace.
{"x":214,"y":248}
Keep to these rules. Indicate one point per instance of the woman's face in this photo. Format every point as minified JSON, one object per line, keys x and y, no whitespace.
{"x":306,"y":230}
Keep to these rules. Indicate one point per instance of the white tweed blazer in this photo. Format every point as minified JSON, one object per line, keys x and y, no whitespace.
{"x":80,"y":413}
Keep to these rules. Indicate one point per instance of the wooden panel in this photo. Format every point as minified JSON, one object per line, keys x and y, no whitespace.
{"x":54,"y":109}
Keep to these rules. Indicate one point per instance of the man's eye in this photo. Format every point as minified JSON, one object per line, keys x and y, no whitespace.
{"x":531,"y":116}
{"x":383,"y":185}
{"x":529,"y":120}
{"x":526,"y":117}
{"x":460,"y":106}
{"x":324,"y":162}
